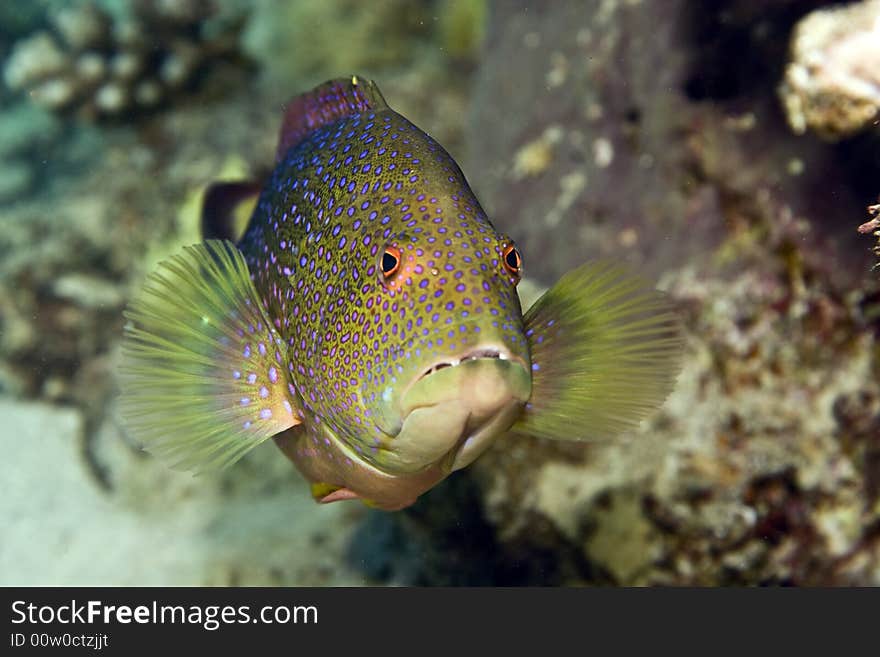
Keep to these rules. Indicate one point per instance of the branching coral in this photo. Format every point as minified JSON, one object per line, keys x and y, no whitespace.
{"x":102,"y":66}
{"x":873,"y":226}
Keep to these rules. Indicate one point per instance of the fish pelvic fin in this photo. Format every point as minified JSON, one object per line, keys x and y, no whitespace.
{"x":326,"y":104}
{"x":605,"y":350}
{"x":204,"y":374}
{"x":324,"y":493}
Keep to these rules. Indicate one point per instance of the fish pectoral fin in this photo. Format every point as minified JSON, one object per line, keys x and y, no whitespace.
{"x":204,"y":373}
{"x":227,"y":208}
{"x":325,"y":104}
{"x":326,"y":493}
{"x":606,"y":350}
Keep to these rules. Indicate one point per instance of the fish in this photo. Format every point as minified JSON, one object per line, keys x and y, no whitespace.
{"x":358,"y":308}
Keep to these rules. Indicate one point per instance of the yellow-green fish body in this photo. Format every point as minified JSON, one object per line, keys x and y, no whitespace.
{"x":368,"y":320}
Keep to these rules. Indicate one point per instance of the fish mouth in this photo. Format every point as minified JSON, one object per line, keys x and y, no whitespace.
{"x":452,"y":411}
{"x":480,"y":353}
{"x":476,"y":354}
{"x":451,"y":367}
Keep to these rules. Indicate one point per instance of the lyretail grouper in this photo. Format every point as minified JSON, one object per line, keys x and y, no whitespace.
{"x":366,"y":318}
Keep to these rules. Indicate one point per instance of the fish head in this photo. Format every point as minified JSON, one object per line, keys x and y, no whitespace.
{"x":454,"y":373}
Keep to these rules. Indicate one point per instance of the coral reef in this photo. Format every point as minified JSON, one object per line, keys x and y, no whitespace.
{"x":832,"y":84}
{"x":763,"y":467}
{"x":101,"y":66}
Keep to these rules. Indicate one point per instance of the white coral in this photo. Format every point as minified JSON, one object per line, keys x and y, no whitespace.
{"x":34,"y":58}
{"x":832,"y":82}
{"x":81,"y":26}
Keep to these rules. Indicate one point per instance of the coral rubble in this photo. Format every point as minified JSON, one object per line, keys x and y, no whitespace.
{"x":832,"y":82}
{"x":762,"y":467}
{"x":102,"y":66}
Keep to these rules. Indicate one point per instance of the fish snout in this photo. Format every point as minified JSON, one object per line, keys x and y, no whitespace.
{"x":454,"y":408}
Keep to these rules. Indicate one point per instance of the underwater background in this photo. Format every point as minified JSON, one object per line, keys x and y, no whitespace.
{"x":729,"y":150}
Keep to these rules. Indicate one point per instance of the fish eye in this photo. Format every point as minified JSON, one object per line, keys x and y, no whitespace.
{"x":512,"y":260}
{"x":390,"y":261}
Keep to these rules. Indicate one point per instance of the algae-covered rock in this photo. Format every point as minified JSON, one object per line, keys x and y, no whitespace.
{"x":639,"y":131}
{"x":751,"y":473}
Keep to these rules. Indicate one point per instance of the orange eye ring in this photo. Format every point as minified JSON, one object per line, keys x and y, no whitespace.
{"x":390,"y":262}
{"x":512,"y":260}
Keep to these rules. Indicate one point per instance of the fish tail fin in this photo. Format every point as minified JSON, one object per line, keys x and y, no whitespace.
{"x":227,"y":208}
{"x":605,"y":349}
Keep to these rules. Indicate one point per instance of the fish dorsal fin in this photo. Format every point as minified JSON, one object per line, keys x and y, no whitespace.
{"x":326,"y":104}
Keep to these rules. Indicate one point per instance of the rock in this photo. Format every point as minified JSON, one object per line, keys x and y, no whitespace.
{"x":603,"y":152}
{"x":585,"y":160}
{"x":89,"y":291}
